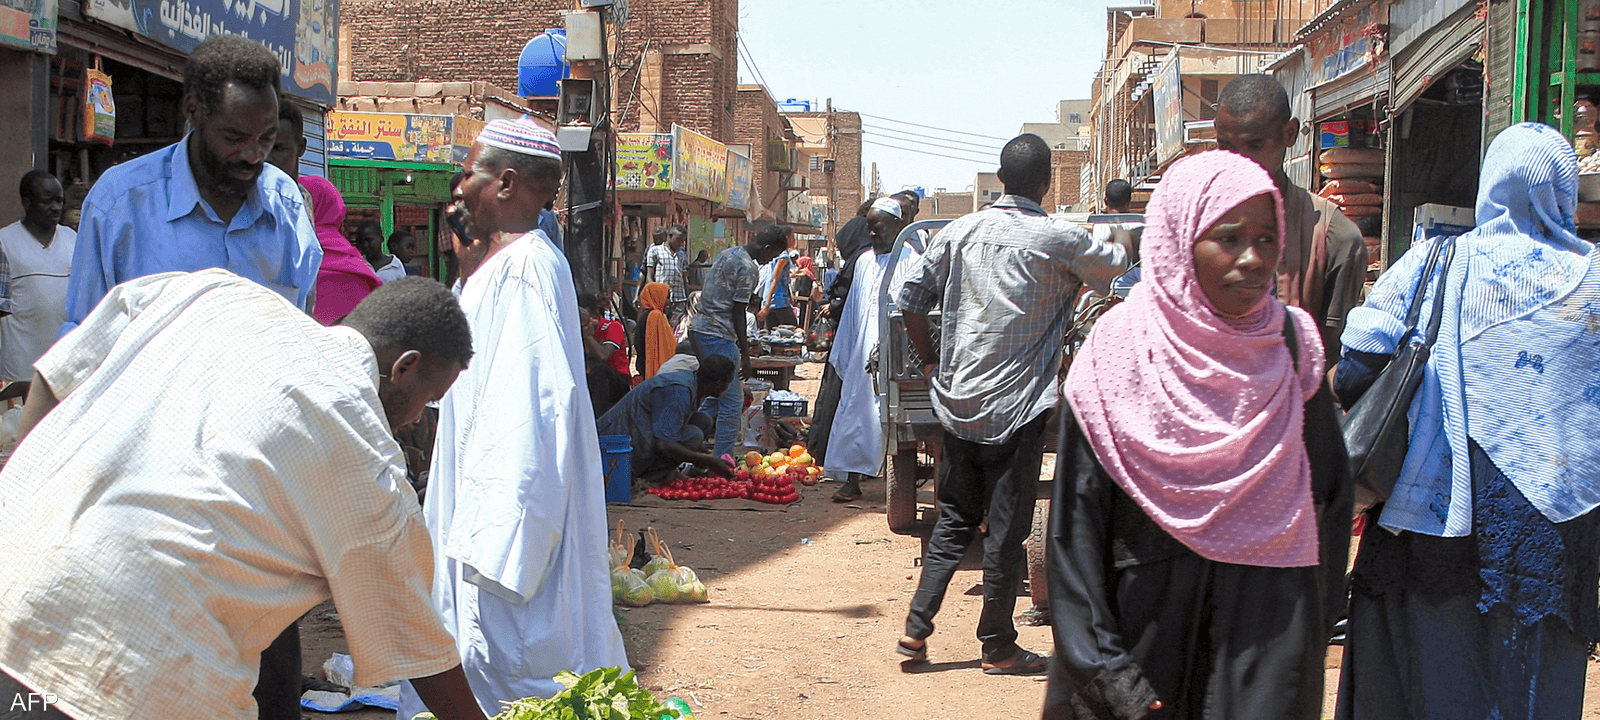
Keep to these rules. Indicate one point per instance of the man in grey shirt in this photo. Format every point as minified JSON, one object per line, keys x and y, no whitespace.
{"x":719,"y":326}
{"x":1005,"y":278}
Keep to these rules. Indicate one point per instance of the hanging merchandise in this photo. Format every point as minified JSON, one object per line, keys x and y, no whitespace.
{"x":99,"y":108}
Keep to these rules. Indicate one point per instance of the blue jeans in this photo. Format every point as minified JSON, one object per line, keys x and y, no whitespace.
{"x":726,"y":407}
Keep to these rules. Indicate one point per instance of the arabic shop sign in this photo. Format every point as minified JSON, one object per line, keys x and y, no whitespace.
{"x":699,"y":164}
{"x":28,"y":25}
{"x":304,"y":34}
{"x":741,"y":173}
{"x":644,"y":161}
{"x":1167,"y":97}
{"x":440,"y":139}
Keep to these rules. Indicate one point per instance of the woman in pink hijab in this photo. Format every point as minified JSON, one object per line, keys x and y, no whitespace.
{"x":1201,"y":510}
{"x":345,"y":277}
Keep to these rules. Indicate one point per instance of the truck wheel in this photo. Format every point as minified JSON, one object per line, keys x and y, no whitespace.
{"x":900,"y":490}
{"x":1038,"y":582}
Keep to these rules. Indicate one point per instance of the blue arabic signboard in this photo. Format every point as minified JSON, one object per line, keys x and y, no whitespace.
{"x":304,"y":34}
{"x":28,"y":25}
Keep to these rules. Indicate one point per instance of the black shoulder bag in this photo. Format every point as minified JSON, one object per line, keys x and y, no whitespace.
{"x":1376,"y":431}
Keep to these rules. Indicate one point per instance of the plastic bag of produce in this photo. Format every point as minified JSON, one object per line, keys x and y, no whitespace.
{"x":628,"y":587}
{"x":671,"y":582}
{"x":620,"y":552}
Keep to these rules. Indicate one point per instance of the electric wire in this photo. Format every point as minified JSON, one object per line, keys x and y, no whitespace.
{"x":995,"y":152}
{"x":750,"y":60}
{"x":931,"y":127}
{"x":925,"y":152}
{"x":923,"y":137}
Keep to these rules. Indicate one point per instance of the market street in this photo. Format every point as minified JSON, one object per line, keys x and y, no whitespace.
{"x":799,"y":629}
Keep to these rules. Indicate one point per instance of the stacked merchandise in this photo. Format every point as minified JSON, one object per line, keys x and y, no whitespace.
{"x":1355,"y":180}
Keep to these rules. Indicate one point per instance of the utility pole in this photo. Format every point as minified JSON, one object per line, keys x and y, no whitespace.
{"x":587,"y":175}
{"x":876,"y":188}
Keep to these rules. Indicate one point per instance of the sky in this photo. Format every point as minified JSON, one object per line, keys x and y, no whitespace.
{"x":955,"y":65}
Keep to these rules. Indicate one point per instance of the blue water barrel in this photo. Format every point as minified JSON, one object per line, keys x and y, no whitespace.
{"x":542,"y":63}
{"x":616,"y":460}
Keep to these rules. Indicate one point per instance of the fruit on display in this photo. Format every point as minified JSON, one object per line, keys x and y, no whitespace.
{"x":763,"y":478}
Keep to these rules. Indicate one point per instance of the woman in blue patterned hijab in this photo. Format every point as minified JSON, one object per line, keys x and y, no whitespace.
{"x":1478,"y":598}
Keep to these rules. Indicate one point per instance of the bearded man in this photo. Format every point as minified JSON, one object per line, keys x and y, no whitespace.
{"x":209,"y":200}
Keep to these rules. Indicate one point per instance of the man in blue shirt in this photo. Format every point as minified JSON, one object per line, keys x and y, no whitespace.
{"x":210,"y":200}
{"x":659,"y":416}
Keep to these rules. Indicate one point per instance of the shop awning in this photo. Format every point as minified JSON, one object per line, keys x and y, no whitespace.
{"x":1434,"y":54}
{"x":1357,"y":88}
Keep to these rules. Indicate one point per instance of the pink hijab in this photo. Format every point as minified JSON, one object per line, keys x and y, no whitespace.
{"x":345,"y":277}
{"x":1198,"y":416}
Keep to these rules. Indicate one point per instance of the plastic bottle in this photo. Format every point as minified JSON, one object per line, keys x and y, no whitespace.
{"x":678,"y":706}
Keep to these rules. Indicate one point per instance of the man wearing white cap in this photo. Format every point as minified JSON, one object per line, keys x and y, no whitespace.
{"x":516,"y":497}
{"x":855,"y":443}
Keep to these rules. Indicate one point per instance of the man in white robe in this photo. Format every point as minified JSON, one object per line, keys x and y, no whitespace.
{"x":516,"y":496}
{"x":855,"y":443}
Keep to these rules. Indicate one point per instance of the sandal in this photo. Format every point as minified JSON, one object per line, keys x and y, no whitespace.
{"x":849,"y":491}
{"x":1024,"y":662}
{"x":914,"y":654}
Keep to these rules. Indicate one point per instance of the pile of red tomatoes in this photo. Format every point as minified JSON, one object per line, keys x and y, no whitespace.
{"x":769,"y":479}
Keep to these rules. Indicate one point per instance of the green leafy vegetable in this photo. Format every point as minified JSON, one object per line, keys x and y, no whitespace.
{"x":602,"y":694}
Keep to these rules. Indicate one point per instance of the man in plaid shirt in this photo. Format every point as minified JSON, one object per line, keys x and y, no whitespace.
{"x":668,"y":262}
{"x":1005,"y":278}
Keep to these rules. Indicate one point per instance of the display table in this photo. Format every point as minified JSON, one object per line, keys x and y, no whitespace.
{"x":776,"y":370}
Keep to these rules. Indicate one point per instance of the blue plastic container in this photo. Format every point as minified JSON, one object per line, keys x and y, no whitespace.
{"x":616,"y":458}
{"x":542,"y":64}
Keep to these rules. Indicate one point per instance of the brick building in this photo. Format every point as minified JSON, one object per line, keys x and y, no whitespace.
{"x":1066,"y":170}
{"x":832,"y":135}
{"x":675,"y":61}
{"x":758,"y":124}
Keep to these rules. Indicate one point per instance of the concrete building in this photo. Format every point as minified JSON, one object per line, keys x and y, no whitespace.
{"x":986,"y":189}
{"x":830,"y":143}
{"x":773,"y":148}
{"x":1163,"y":65}
{"x":1068,"y":138}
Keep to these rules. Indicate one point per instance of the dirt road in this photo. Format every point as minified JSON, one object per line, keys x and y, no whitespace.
{"x":806,"y":604}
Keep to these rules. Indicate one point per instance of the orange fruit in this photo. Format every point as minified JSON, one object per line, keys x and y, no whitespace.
{"x":797,"y":450}
{"x":752,"y":458}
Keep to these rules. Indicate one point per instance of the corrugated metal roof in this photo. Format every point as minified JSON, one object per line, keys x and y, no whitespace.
{"x":1333,"y":12}
{"x":1410,"y":19}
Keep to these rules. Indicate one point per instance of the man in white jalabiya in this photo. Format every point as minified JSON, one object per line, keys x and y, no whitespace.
{"x":855,"y":444}
{"x":516,"y":498}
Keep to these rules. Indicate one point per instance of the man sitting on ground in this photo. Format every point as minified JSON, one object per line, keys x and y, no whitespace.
{"x":660,"y":416}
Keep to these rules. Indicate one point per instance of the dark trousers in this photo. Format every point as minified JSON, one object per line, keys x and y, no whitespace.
{"x":975,"y":480}
{"x":781,"y":316}
{"x":277,"y":690}
{"x":822,"y":414}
